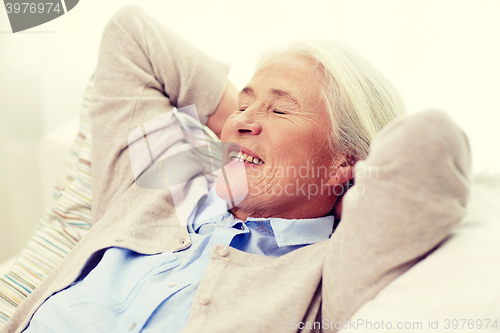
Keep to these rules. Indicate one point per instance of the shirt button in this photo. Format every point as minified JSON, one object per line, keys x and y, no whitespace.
{"x":242,"y":226}
{"x":131,"y":326}
{"x":223,"y":252}
{"x":171,"y":284}
{"x":204,"y":301}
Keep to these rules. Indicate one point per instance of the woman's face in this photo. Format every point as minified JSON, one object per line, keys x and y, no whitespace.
{"x":280,"y":127}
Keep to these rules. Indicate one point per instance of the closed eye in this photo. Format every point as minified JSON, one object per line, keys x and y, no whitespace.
{"x":279,"y":112}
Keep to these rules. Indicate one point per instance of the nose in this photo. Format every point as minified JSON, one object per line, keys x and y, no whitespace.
{"x":246,"y":122}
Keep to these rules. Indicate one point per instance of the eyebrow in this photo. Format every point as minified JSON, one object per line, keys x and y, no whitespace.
{"x":275,"y":92}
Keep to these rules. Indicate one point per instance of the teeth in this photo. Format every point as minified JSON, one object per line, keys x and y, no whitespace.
{"x":249,"y":159}
{"x":240,"y":157}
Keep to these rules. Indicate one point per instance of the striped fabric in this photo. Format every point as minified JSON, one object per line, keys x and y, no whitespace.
{"x":60,"y":228}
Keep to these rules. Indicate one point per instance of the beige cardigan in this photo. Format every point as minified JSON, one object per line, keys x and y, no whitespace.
{"x":391,"y":219}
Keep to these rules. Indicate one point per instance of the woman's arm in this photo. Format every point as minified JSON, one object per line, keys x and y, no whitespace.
{"x":143,"y":69}
{"x":410,"y":193}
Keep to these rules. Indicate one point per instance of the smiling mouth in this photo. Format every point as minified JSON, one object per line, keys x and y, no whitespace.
{"x":241,"y":157}
{"x":242,"y":154}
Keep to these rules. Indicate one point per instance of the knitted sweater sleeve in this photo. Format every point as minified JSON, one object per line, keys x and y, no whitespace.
{"x":143,"y":70}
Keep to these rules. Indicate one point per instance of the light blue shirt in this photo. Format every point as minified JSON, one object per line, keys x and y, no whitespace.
{"x":131,"y":292}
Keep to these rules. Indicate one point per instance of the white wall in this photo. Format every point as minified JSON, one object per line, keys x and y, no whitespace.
{"x":438,"y":53}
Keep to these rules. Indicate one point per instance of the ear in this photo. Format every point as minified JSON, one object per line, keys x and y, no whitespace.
{"x":341,"y":174}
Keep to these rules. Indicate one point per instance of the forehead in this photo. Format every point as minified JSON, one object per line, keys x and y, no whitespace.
{"x":286,"y":76}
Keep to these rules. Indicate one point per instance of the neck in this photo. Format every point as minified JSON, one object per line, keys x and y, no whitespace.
{"x":311,"y":210}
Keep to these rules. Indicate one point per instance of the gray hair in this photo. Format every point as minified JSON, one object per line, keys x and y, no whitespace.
{"x":360,"y":100}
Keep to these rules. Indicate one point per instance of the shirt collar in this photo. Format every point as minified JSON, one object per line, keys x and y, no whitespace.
{"x":286,"y":231}
{"x":299,"y":231}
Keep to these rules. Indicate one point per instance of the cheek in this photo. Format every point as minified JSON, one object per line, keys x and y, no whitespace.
{"x":226,"y":130}
{"x":225,"y":133}
{"x":291,"y":146}
{"x":281,"y":139}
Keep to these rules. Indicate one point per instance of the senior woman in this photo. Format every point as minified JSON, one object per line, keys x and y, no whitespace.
{"x":270,"y":263}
